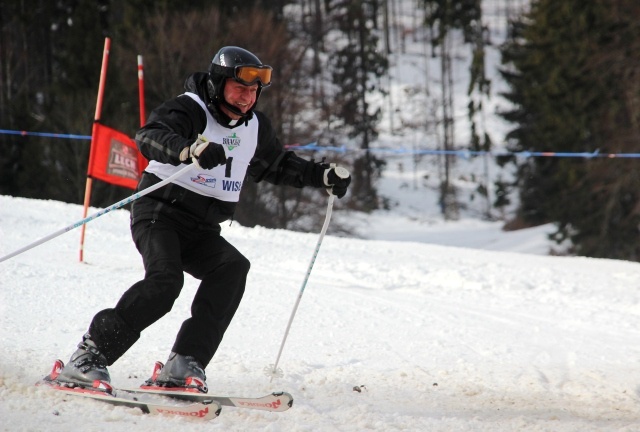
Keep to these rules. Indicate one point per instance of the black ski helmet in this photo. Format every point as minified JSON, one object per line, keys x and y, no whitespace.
{"x":241,"y":65}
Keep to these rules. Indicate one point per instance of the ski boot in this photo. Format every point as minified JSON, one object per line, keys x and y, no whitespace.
{"x":181,"y":372}
{"x":87,"y":367}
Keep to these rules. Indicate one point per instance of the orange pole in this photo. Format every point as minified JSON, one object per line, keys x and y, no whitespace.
{"x":87,"y":190}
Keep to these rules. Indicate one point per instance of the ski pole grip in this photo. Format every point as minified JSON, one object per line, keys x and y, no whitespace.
{"x":341,"y":172}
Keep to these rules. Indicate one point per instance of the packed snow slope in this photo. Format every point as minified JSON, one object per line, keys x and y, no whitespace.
{"x":436,"y":338}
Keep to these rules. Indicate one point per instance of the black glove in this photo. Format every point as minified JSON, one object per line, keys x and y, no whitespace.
{"x":337,"y":180}
{"x":204,"y":154}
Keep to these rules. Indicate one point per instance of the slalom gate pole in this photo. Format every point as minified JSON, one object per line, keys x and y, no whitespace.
{"x":96,"y":215}
{"x":92,"y":149}
{"x":272,"y":370}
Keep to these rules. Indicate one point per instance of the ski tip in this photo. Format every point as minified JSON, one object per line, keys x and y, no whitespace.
{"x":285,"y":395}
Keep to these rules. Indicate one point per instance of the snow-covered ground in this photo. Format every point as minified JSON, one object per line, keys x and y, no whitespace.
{"x":437,"y":337}
{"x":412,"y":197}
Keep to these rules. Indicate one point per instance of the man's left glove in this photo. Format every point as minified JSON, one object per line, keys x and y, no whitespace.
{"x":204,"y":154}
{"x":337,"y":180}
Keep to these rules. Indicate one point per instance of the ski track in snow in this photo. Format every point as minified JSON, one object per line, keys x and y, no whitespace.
{"x":436,"y":338}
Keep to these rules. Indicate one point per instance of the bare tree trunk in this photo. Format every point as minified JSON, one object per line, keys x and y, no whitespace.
{"x":367,"y":177}
{"x":450,"y":208}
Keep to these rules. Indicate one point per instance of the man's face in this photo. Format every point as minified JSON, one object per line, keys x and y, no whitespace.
{"x":239,"y":96}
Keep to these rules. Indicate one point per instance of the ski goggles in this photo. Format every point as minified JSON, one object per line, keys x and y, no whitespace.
{"x":249,"y":75}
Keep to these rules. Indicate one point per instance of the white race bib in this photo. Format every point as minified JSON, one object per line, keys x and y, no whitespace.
{"x":223,"y":182}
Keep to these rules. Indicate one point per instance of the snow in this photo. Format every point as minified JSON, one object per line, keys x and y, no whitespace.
{"x":467,"y":334}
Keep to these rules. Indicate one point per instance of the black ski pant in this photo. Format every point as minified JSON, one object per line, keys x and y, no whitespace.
{"x":168,"y":250}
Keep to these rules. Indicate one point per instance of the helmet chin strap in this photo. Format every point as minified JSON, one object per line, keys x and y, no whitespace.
{"x":235,"y":110}
{"x":222,"y":117}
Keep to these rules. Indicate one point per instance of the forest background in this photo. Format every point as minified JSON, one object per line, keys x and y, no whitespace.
{"x":570,"y":70}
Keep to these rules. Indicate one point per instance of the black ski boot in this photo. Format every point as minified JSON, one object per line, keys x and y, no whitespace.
{"x":86,"y":366}
{"x":180,"y":372}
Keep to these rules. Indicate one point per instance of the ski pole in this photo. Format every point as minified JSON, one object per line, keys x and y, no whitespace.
{"x":273,"y":370}
{"x":96,"y":215}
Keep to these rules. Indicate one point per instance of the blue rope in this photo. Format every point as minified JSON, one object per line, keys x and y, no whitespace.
{"x":465,"y":154}
{"x":45,"y":134}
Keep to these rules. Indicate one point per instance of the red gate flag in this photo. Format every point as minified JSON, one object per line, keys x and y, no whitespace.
{"x":114,"y":157}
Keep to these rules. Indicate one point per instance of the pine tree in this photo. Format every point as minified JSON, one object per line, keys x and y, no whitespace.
{"x":571,"y":67}
{"x":357,"y":67}
{"x":444,"y":18}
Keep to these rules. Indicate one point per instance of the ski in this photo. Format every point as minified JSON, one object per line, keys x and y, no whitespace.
{"x":104,"y":392}
{"x":275,"y":402}
{"x":194,"y":410}
{"x":196,"y":391}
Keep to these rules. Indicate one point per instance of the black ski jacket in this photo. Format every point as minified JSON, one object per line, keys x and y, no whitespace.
{"x":175,"y":125}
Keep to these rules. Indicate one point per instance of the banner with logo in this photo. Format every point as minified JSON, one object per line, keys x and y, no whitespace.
{"x":114,"y":157}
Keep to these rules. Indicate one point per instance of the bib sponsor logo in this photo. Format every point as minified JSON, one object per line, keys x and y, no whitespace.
{"x":204,"y":180}
{"x":231,"y":141}
{"x":231,"y":186}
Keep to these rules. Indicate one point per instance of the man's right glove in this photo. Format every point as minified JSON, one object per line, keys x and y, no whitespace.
{"x":337,"y":180}
{"x":204,"y":154}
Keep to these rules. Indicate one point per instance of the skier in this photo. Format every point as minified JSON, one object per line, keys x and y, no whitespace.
{"x":215,"y":127}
